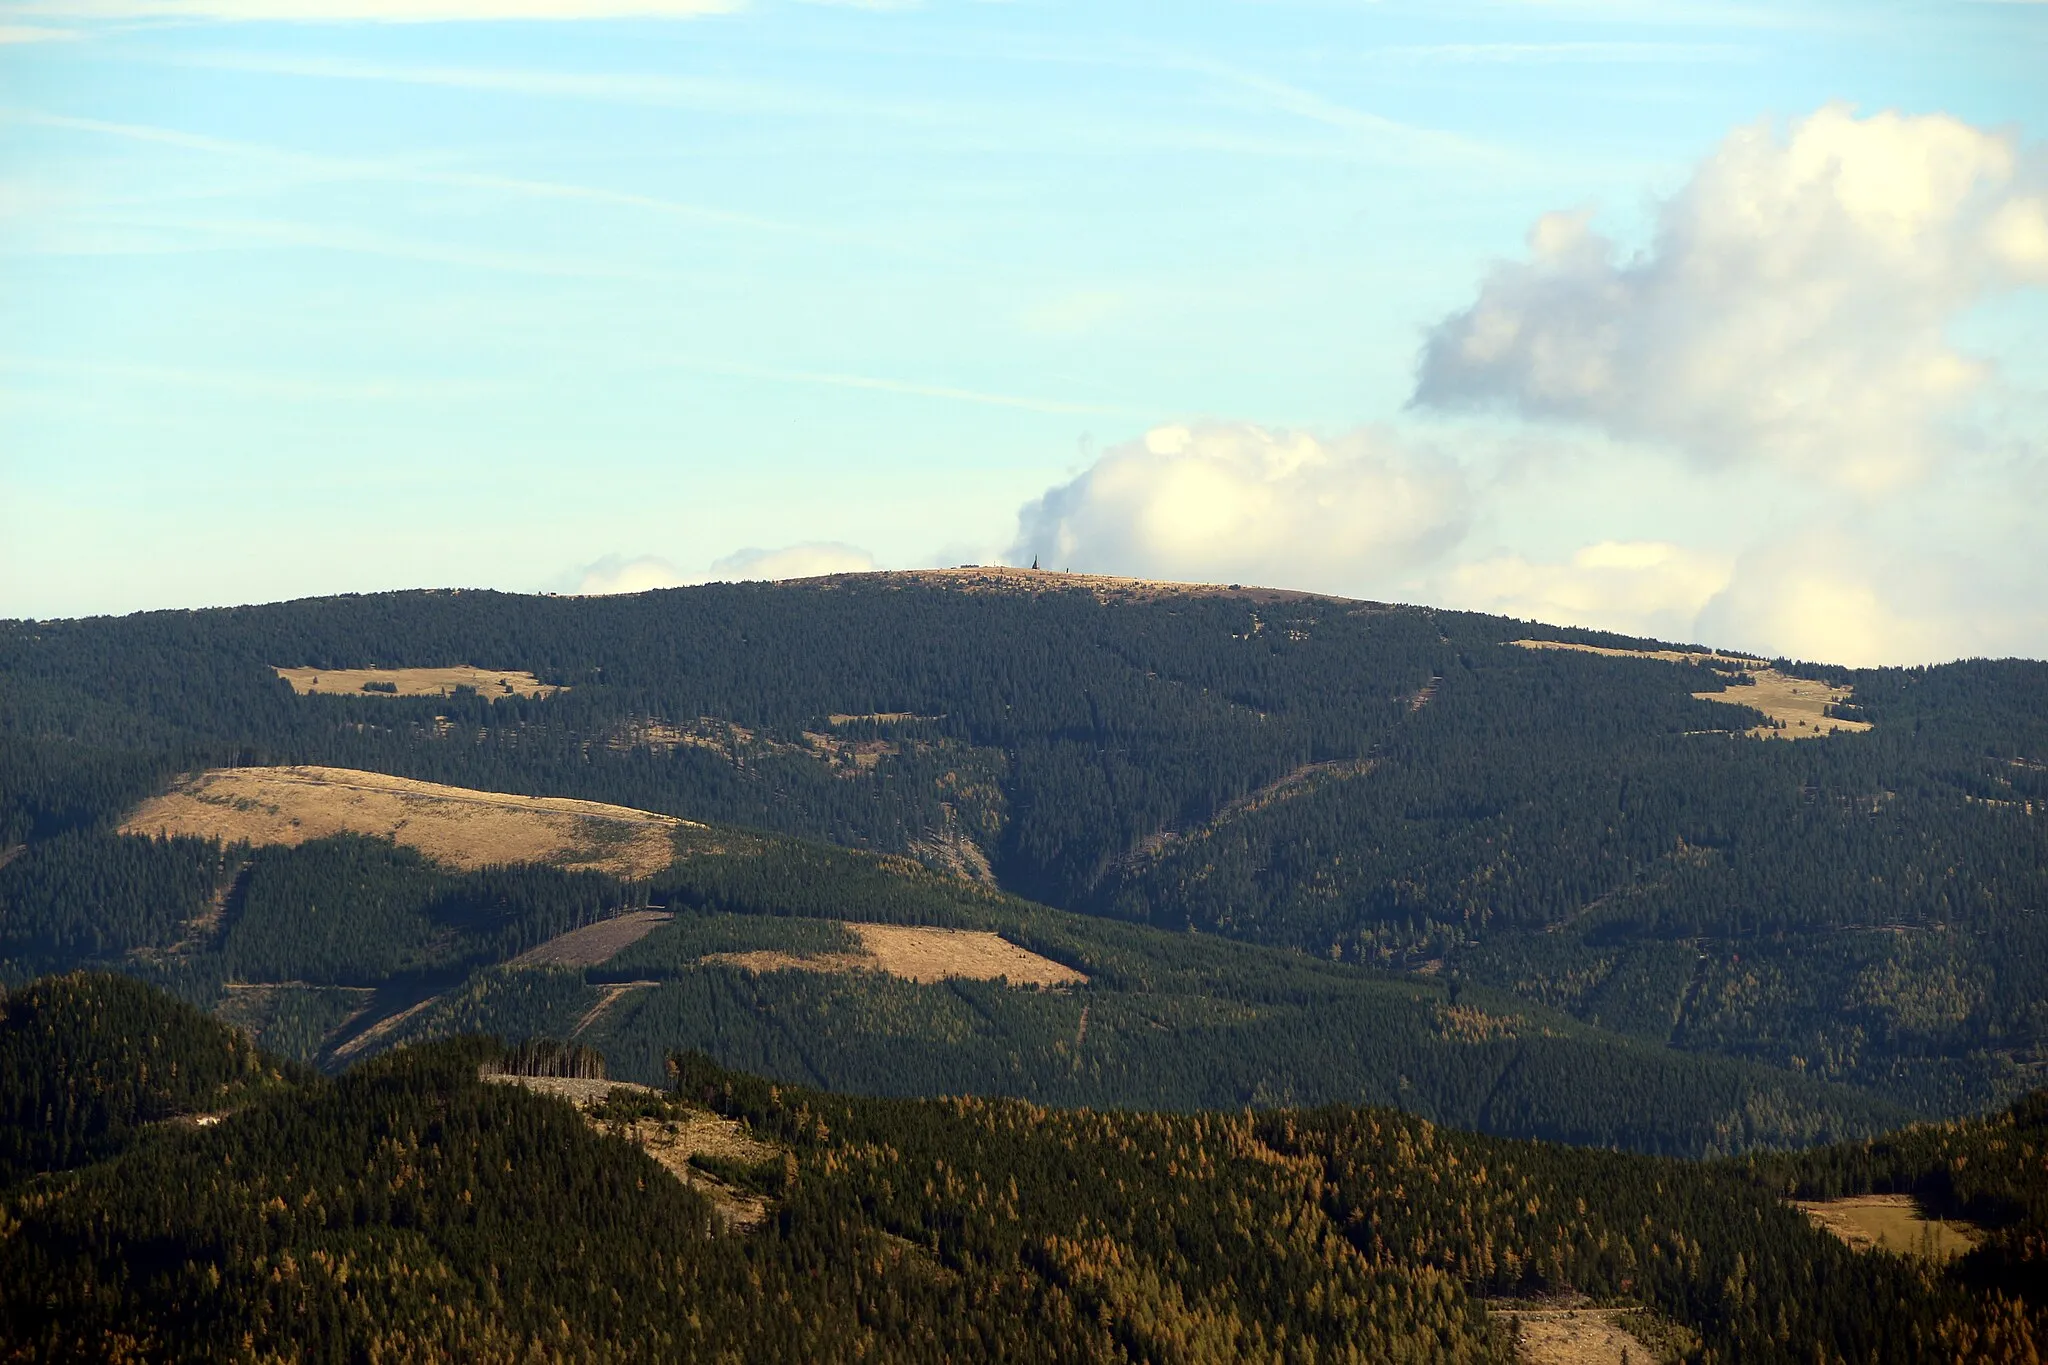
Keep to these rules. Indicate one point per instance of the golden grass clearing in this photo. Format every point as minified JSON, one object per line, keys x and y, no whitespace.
{"x":920,"y":954}
{"x":457,"y":826}
{"x":490,"y":683}
{"x":1797,"y":706}
{"x":1893,"y":1222}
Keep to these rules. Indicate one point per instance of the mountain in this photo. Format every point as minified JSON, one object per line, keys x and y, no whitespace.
{"x":1504,"y":884}
{"x":459,"y":1200}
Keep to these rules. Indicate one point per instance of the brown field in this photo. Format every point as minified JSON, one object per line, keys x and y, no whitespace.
{"x":920,"y":954}
{"x":594,"y":944}
{"x":490,"y":683}
{"x":1798,"y":705}
{"x":1893,"y":1222}
{"x":455,"y":826}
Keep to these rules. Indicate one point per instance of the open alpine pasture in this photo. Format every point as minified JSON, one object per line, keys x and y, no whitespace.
{"x":455,"y":826}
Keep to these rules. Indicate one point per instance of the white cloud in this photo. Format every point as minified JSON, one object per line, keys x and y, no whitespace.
{"x":1791,"y":308}
{"x":1235,"y":502}
{"x":1636,"y":587}
{"x":811,"y":559}
{"x":372,"y":11}
{"x":34,"y":33}
{"x":617,"y":574}
{"x":1853,"y":597}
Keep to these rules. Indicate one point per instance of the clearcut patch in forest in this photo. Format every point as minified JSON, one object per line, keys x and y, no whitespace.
{"x":1590,"y":1336}
{"x":456,"y":826}
{"x":489,"y":683}
{"x":1797,"y":708}
{"x":677,"y":1136}
{"x":920,"y":954}
{"x":1895,"y":1223}
{"x":594,"y":944}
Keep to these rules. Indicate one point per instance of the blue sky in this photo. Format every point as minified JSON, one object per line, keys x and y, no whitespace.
{"x":1696,"y":319}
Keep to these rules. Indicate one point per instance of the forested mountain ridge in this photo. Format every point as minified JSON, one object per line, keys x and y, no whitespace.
{"x":410,"y":1209}
{"x":1383,"y":785}
{"x":335,"y":949}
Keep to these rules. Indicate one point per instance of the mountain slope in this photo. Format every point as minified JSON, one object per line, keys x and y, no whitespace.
{"x":411,"y":1209}
{"x":1392,"y":786}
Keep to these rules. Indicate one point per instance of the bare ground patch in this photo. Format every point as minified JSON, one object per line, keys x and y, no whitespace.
{"x":1893,"y":1222}
{"x":920,"y":954}
{"x":611,"y":995}
{"x":383,"y":1028}
{"x":1579,"y":1336}
{"x":490,"y":683}
{"x":680,"y":1133}
{"x":1797,"y":708}
{"x":594,"y":944}
{"x":1301,"y":781}
{"x":457,"y":826}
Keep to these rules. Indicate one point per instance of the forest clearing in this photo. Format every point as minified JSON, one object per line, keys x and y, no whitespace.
{"x":458,"y":827}
{"x":594,"y":944}
{"x":489,"y":683}
{"x":673,"y":1137}
{"x":1796,"y":707}
{"x":919,"y":954}
{"x":1580,"y":1336}
{"x":1895,"y":1223}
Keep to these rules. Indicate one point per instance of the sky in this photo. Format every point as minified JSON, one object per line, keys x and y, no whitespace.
{"x":1712,"y":322}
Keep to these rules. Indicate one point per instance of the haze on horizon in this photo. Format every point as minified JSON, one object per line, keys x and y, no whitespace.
{"x":1707,"y":322}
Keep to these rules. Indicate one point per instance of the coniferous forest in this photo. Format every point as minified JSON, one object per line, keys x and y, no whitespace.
{"x":1412,"y":971}
{"x":229,"y":1205}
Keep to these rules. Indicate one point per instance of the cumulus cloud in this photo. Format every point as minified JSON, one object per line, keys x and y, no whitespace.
{"x":1232,"y":501}
{"x":372,"y":11}
{"x":618,"y":574}
{"x":1636,"y":587}
{"x":1846,"y":596}
{"x":811,"y":559}
{"x":1791,"y":308}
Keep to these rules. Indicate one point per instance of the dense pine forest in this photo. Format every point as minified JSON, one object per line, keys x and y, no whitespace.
{"x":178,"y":1195}
{"x":1386,"y":788}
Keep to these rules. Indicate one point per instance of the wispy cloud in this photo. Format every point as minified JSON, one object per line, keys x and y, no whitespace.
{"x":1404,"y":140}
{"x":835,"y":380}
{"x":33,"y":33}
{"x":369,"y":11}
{"x":1591,"y":53}
{"x":415,"y":170}
{"x":250,"y":383}
{"x":619,"y":87}
{"x":218,"y":233}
